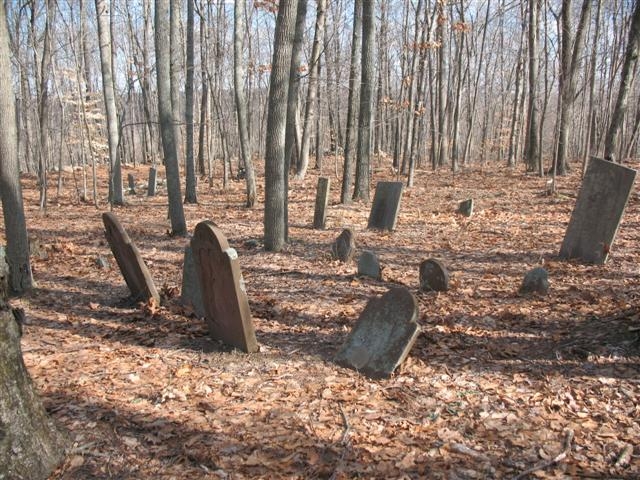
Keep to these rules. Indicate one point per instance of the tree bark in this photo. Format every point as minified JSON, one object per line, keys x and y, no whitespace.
{"x":191,"y":195}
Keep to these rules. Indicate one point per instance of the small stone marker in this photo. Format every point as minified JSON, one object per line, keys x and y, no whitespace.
{"x":344,"y":248}
{"x":466,"y":207}
{"x":223,"y":292}
{"x":535,"y":281}
{"x":129,"y":260}
{"x":369,"y":265}
{"x":191,"y":293}
{"x":383,"y":335}
{"x":132,"y":184}
{"x":153,"y":180}
{"x":386,"y":205}
{"x":434,"y":276}
{"x":322,"y":199}
{"x":599,"y":208}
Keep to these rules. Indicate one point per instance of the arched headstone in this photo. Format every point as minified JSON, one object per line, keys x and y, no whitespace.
{"x":344,"y":248}
{"x":535,"y":281}
{"x":369,"y":265}
{"x":433,"y":276}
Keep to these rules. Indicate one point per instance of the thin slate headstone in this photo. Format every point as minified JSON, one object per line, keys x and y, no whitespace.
{"x":344,"y":248}
{"x":535,"y":281}
{"x":386,"y":205}
{"x":383,"y":335}
{"x":369,"y":265}
{"x":599,"y":208}
{"x":153,"y":181}
{"x":223,"y":291}
{"x":132,"y":184}
{"x":191,"y":293}
{"x":132,"y":266}
{"x":322,"y":199}
{"x":466,"y":207}
{"x":434,"y":276}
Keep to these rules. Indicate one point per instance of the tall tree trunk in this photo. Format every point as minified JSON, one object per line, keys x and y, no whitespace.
{"x":443,"y":137}
{"x":589,"y":137}
{"x":191,"y":195}
{"x":532,"y":153}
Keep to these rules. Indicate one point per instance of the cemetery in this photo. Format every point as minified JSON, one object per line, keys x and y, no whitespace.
{"x":396,"y":338}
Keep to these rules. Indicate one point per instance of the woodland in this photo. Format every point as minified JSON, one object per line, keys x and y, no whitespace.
{"x":241,"y":106}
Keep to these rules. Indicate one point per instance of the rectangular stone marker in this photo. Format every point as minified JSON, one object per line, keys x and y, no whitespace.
{"x":131,"y":264}
{"x":191,"y":293}
{"x":223,"y":292}
{"x":153,"y":180}
{"x":132,"y":184}
{"x":386,"y":205}
{"x":322,"y":199}
{"x":383,"y":335}
{"x":603,"y":197}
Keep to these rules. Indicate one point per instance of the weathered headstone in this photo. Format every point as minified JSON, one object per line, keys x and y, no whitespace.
{"x":466,"y":207}
{"x":383,"y":335}
{"x":153,"y":180}
{"x":131,"y":264}
{"x":535,"y":281}
{"x":344,"y":248}
{"x":603,"y":197}
{"x":322,"y":199}
{"x":386,"y":205}
{"x":434,"y":276}
{"x":132,"y":184}
{"x":223,"y":291}
{"x":191,"y":293}
{"x":369,"y":265}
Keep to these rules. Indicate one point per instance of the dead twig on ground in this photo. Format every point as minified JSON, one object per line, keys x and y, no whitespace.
{"x":568,"y":438}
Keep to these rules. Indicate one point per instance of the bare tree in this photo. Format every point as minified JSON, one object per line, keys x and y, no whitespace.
{"x":190,"y":195}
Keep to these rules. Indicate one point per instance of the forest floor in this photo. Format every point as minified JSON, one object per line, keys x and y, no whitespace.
{"x":496,"y":385}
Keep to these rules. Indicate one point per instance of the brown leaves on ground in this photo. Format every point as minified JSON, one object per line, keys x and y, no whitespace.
{"x":491,"y":389}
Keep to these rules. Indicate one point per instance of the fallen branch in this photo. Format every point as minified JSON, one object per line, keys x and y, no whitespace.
{"x":568,"y":438}
{"x":470,"y":452}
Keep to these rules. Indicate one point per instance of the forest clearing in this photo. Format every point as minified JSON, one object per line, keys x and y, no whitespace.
{"x":497,"y":385}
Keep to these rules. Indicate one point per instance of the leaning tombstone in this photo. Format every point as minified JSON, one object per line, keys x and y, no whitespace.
{"x":128,"y":258}
{"x":535,"y":281}
{"x":191,"y":293}
{"x":383,"y":335}
{"x":598,"y":211}
{"x":322,"y":199}
{"x":224,"y":297}
{"x":433,"y":276}
{"x":132,"y":184}
{"x":153,"y":181}
{"x":386,"y":205}
{"x":344,"y":248}
{"x":466,"y":207}
{"x":369,"y":265}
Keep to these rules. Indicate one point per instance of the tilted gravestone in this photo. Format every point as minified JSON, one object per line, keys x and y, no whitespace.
{"x":132,"y":266}
{"x":344,"y":248}
{"x":434,"y":276}
{"x":153,"y":181}
{"x":386,"y":205}
{"x":603,"y":197}
{"x":466,"y":207}
{"x":369,"y":265}
{"x":383,"y":335}
{"x":191,"y":293}
{"x":132,"y":184}
{"x":535,"y":281}
{"x":223,"y":291}
{"x":322,"y":199}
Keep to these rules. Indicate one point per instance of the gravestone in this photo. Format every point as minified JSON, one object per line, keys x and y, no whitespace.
{"x":466,"y":207}
{"x":369,"y":265}
{"x":383,"y":335}
{"x":153,"y":181}
{"x":344,"y":248}
{"x":386,"y":205}
{"x":322,"y":199}
{"x":132,"y":184}
{"x":434,"y":276}
{"x":603,"y":197}
{"x":224,"y":297}
{"x":131,"y":264}
{"x":191,"y":293}
{"x":535,"y":281}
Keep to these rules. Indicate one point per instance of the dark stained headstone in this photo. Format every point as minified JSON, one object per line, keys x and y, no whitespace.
{"x":369,"y":265}
{"x":466,"y":207}
{"x":383,"y":335}
{"x":434,"y":276}
{"x":386,"y":205}
{"x":132,"y":184}
{"x":223,"y":291}
{"x":191,"y":293}
{"x":603,"y":197}
{"x":535,"y":281}
{"x":344,"y":248}
{"x":131,"y":264}
{"x":153,"y":181}
{"x":322,"y":199}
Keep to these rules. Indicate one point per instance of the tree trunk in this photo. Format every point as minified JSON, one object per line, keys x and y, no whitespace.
{"x":191,"y":195}
{"x":532,"y":152}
